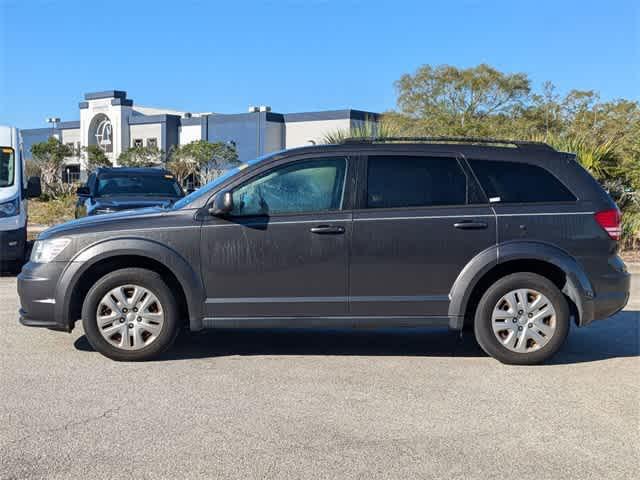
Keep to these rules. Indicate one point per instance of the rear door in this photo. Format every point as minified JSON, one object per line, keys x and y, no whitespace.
{"x":421,"y":219}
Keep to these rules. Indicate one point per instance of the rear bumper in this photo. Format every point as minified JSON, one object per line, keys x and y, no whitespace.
{"x":36,"y":288}
{"x":611,"y":292}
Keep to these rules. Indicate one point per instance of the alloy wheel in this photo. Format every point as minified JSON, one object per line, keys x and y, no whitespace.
{"x":130,"y":317}
{"x":523,"y":320}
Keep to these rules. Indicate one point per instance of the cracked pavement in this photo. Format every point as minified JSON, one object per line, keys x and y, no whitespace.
{"x":322,"y":404}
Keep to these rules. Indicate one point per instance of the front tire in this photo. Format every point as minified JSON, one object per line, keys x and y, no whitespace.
{"x":130,"y":315}
{"x":522,"y":319}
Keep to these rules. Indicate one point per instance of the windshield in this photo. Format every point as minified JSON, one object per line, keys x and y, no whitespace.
{"x":135,"y":185}
{"x":206,"y":190}
{"x":7,"y":167}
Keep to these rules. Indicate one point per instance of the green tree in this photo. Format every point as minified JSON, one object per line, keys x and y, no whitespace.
{"x":96,"y":158}
{"x":49,"y":157}
{"x":450,"y":100}
{"x":204,"y":159}
{"x":141,"y":157}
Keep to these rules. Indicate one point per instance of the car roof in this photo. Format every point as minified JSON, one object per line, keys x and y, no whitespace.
{"x":472,"y":148}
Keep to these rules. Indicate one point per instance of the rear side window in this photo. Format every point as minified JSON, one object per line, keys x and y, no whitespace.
{"x":415,"y":182}
{"x":512,"y":182}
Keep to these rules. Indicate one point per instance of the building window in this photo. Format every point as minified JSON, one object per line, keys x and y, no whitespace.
{"x":137,"y":142}
{"x":152,"y":142}
{"x":71,"y":173}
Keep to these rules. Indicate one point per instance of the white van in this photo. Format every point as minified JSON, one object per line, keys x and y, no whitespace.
{"x":14,"y":191}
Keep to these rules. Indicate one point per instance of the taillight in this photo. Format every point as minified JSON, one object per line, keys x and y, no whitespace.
{"x":610,"y":221}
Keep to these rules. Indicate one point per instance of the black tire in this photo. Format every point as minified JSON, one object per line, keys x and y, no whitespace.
{"x":484,"y":331}
{"x":153,"y":282}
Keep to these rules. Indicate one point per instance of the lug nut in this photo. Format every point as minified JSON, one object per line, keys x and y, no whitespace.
{"x":530,"y":315}
{"x":515,"y":320}
{"x":131,"y":325}
{"x":124,"y":310}
{"x":139,"y":319}
{"x":520,"y":327}
{"x":122,"y":320}
{"x":135,"y":309}
{"x":520,"y":312}
{"x":530,"y":325}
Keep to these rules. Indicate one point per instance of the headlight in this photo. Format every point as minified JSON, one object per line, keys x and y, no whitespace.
{"x":9,"y":209}
{"x":46,"y":250}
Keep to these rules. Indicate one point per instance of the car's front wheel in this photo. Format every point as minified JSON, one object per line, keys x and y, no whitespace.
{"x":522,"y":319}
{"x":130,"y":315}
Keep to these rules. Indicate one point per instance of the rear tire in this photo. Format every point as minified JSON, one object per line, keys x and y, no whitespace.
{"x":522,"y":319}
{"x":130,"y":315}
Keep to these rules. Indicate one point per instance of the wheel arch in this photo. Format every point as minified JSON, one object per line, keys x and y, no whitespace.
{"x":99,"y":259}
{"x":546,"y":260}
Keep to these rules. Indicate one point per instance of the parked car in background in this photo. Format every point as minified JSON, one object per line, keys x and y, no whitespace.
{"x":513,"y":239}
{"x":115,"y":189}
{"x":15,"y":189}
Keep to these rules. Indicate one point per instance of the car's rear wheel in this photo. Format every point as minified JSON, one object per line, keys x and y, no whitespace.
{"x":130,"y":315}
{"x":522,"y":319}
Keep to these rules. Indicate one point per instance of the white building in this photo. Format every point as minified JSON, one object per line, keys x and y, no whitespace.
{"x":112,"y":121}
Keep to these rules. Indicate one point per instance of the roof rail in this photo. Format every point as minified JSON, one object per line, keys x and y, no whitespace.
{"x":471,"y":140}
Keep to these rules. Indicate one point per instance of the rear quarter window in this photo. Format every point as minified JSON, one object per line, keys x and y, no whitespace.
{"x":513,"y":182}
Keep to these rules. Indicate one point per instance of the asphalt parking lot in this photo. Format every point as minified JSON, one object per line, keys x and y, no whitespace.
{"x":317,"y":404}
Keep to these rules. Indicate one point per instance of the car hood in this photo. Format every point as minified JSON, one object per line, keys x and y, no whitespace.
{"x":128,"y":203}
{"x":124,"y":219}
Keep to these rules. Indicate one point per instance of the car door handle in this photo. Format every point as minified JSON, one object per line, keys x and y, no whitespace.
{"x":327,"y":230}
{"x":469,"y":225}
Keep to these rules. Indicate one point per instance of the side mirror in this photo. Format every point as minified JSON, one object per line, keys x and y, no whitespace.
{"x":222,"y":204}
{"x":83,"y":192}
{"x":34,"y":187}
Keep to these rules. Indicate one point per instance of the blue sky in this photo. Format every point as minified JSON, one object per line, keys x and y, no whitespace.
{"x":297,"y":55}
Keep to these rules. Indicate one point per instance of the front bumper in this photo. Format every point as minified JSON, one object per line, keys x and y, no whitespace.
{"x":12,"y":245}
{"x":36,"y":288}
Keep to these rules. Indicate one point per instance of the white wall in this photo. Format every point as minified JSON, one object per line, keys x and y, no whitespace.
{"x":147,"y":130}
{"x":69,"y":135}
{"x":72,"y":135}
{"x":299,"y":134}
{"x":119,"y":116}
{"x":189,"y":133}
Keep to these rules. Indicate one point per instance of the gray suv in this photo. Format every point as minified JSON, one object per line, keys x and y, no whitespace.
{"x":512,"y":239}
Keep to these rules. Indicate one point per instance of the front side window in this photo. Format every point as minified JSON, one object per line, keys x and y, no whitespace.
{"x":7,"y":167}
{"x":308,"y":186}
{"x":152,"y":142}
{"x":399,"y":181}
{"x":514,"y":182}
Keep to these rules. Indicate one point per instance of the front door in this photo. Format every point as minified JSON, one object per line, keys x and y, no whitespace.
{"x":420,"y":221}
{"x":283,"y":251}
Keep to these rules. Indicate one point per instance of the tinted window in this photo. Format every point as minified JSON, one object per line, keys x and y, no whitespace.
{"x":519,"y":182}
{"x":138,"y":185}
{"x":414,"y":182}
{"x":309,"y":186}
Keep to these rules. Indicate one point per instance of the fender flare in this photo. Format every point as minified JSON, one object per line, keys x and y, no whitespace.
{"x":578,"y":287}
{"x":188,"y":278}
